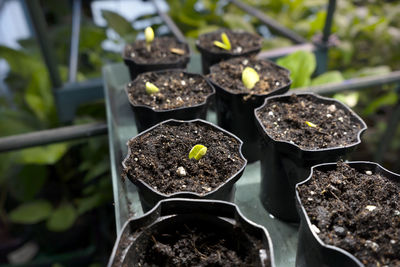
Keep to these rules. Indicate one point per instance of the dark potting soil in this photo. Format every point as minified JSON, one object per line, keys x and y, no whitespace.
{"x":285,"y":120}
{"x":160,"y":158}
{"x":356,"y":211}
{"x":241,"y":42}
{"x":177,"y":89}
{"x":228,"y":74}
{"x":160,"y":51}
{"x":201,"y":244}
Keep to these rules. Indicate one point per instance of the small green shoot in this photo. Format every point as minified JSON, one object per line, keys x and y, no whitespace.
{"x":149,"y":35}
{"x":151,"y":88}
{"x":197,"y":152}
{"x":225,"y":44}
{"x":310,"y":124}
{"x":250,"y":77}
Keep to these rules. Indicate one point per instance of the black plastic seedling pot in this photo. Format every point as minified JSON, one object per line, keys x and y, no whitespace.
{"x":146,"y":116}
{"x":311,"y":250}
{"x":226,"y":191}
{"x":220,"y":216}
{"x":209,"y":58}
{"x":235,"y":113}
{"x":135,"y":68}
{"x":284,"y":164}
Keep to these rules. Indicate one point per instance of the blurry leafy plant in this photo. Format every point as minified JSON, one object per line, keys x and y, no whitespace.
{"x":302,"y":65}
{"x":44,"y":183}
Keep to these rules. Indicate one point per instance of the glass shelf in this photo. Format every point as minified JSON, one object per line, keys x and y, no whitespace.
{"x":121,"y":127}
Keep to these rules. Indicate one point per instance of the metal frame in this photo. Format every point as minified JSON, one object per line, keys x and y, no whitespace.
{"x":72,"y":94}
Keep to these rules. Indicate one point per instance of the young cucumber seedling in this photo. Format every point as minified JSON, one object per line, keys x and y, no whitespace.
{"x":149,"y":35}
{"x":250,"y":77}
{"x":310,"y":124}
{"x":151,"y":88}
{"x":197,"y":152}
{"x":226,"y":44}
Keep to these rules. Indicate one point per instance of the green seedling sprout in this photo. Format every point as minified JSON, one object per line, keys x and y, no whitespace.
{"x":149,"y":35}
{"x":225,"y":44}
{"x":197,"y":152}
{"x":151,"y":88}
{"x":311,"y":124}
{"x":250,"y":77}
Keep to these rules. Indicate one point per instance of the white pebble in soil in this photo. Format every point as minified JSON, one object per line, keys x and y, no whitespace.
{"x":332,"y":108}
{"x":315,"y":229}
{"x":181,"y":171}
{"x":370,"y":207}
{"x":374,"y":246}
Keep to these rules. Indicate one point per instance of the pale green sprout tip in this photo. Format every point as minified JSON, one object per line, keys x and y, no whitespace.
{"x":311,"y":124}
{"x":225,"y":44}
{"x":197,"y":152}
{"x":149,"y":35}
{"x":151,"y":88}
{"x":250,"y":77}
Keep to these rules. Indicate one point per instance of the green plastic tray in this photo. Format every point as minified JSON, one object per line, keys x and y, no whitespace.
{"x":121,"y":127}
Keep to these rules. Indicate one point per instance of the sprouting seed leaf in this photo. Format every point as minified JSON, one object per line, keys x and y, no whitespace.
{"x":149,"y":35}
{"x":226,"y":41}
{"x":151,"y":88}
{"x":311,"y":124}
{"x":197,"y":152}
{"x":226,"y":44}
{"x":250,"y":77}
{"x":220,"y":45}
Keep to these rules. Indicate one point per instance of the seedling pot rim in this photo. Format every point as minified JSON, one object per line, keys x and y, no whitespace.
{"x":189,"y":194}
{"x":156,"y":214}
{"x":241,"y":94}
{"x":303,"y":213}
{"x":184,"y":58}
{"x":226,"y":52}
{"x":150,"y":109}
{"x":297,"y":148}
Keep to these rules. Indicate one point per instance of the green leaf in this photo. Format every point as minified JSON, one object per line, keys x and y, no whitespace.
{"x":62,"y":218}
{"x":16,"y":122}
{"x":88,"y":203}
{"x":151,"y":88}
{"x":250,"y":77}
{"x":43,"y":155}
{"x":301,"y":64}
{"x":197,"y":152}
{"x":328,"y":77}
{"x":97,"y":169}
{"x":38,"y":95}
{"x":30,"y":213}
{"x":387,"y":99}
{"x":349,"y":98}
{"x":119,"y":24}
{"x":20,"y":62}
{"x":235,"y":21}
{"x":28,"y":182}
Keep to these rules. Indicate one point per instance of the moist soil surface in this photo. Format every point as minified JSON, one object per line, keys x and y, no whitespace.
{"x":241,"y":42}
{"x":356,"y":211}
{"x":160,"y":51}
{"x":201,"y":244}
{"x":176,"y":90}
{"x":228,"y":75}
{"x":332,"y":125}
{"x":160,"y":158}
